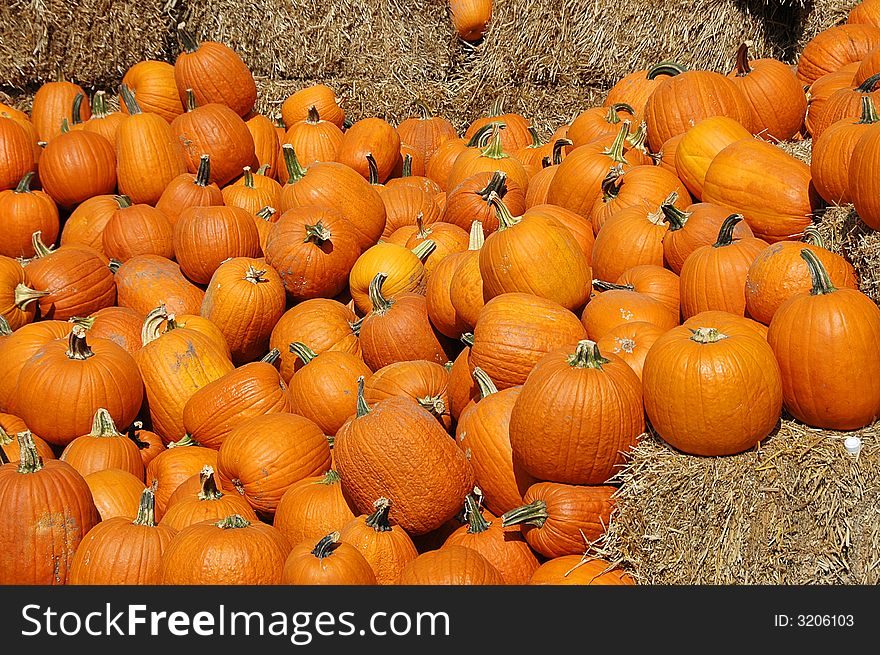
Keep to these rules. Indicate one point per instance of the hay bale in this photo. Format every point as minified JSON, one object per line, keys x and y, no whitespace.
{"x":844,"y":232}
{"x":92,"y":42}
{"x":818,"y":16}
{"x":798,"y":509}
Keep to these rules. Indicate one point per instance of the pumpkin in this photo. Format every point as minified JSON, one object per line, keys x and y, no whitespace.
{"x":263,"y":456}
{"x":313,"y":140}
{"x":119,"y":551}
{"x":834,"y":47}
{"x":266,"y":142}
{"x":85,"y":224}
{"x":578,"y":570}
{"x":421,"y":381}
{"x":172,"y":467}
{"x":696,"y":226}
{"x":539,"y":184}
{"x":462,"y":387}
{"x":440,"y":163}
{"x":174,"y":365}
{"x":103,"y":448}
{"x":868,"y":66}
{"x":727,"y":323}
{"x":621,"y":303}
{"x":253,"y":192}
{"x":774,"y":94}
{"x":18,"y":155}
{"x":865,"y":12}
{"x":601,"y":389}
{"x":148,"y":155}
{"x":321,"y":323}
{"x":312,"y":507}
{"x":406,"y":178}
{"x":329,"y":562}
{"x":844,"y":103}
{"x":231,"y":551}
{"x":17,"y":349}
{"x":504,"y":546}
{"x":403,"y":207}
{"x":10,"y":426}
{"x":210,"y":503}
{"x":823,"y":88}
{"x":190,"y":190}
{"x":514,"y":133}
{"x":514,"y":330}
{"x":635,"y":88}
{"x":597,"y":122}
{"x":581,"y":228}
{"x":711,"y":393}
{"x":204,"y":237}
{"x":331,"y":184}
{"x":387,"y":548}
{"x":470,"y":18}
{"x":514,"y":259}
{"x":639,"y":186}
{"x":631,"y":341}
{"x":454,"y":565}
{"x":76,"y":378}
{"x":700,"y":144}
{"x":668,"y":151}
{"x":562,"y":519}
{"x":53,"y":512}
{"x":137,"y":230}
{"x":146,"y":281}
{"x":115,"y":493}
{"x":53,"y":102}
{"x":251,"y":390}
{"x":773,"y":193}
{"x":149,"y":443}
{"x":153,"y":83}
{"x":121,"y":325}
{"x":26,"y":211}
{"x":320,"y":96}
{"x":425,"y":133}
{"x":403,"y":269}
{"x":823,"y":341}
{"x":861,"y":180}
{"x":77,"y":165}
{"x":714,"y":277}
{"x":427,"y":482}
{"x":469,"y":200}
{"x":17,"y":306}
{"x":453,"y":300}
{"x":447,"y":239}
{"x":102,"y":122}
{"x":372,"y":136}
{"x":654,"y":281}
{"x":493,"y":157}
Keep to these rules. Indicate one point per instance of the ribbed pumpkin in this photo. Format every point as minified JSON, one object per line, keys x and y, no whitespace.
{"x":635,"y":88}
{"x":448,"y":317}
{"x":424,"y":132}
{"x":621,"y":303}
{"x":514,"y":330}
{"x":209,"y":503}
{"x":18,"y":348}
{"x":53,"y":102}
{"x":539,"y":183}
{"x":204,"y":237}
{"x":85,"y":224}
{"x":834,"y":47}
{"x":26,"y":211}
{"x":844,"y":103}
{"x":266,"y":142}
{"x":115,"y":493}
{"x":447,"y":239}
{"x":263,"y":456}
{"x":153,"y":83}
{"x":824,"y":340}
{"x":398,"y":329}
{"x":179,"y":462}
{"x":16,"y":300}
{"x":370,"y":136}
{"x":119,"y":551}
{"x":696,"y":226}
{"x":823,"y":88}
{"x":515,"y":133}
{"x":386,"y":547}
{"x":10,"y":426}
{"x":103,"y":122}
{"x":252,"y":192}
{"x":76,"y":378}
{"x":18,"y":154}
{"x":149,"y":443}
{"x":77,"y":165}
{"x":776,"y":97}
{"x":534,"y":255}
{"x":313,"y":140}
{"x":596,"y":122}
{"x":862,"y":179}
{"x":493,"y":157}
{"x":190,"y":190}
{"x":121,"y":325}
{"x":403,"y":269}
{"x":462,"y":388}
{"x":773,"y":193}
{"x":631,"y":341}
{"x":714,"y":277}
{"x":245,"y":299}
{"x":137,"y":230}
{"x":421,"y":381}
{"x":455,"y":565}
{"x":403,"y":206}
{"x":320,"y":96}
{"x":864,"y":12}
{"x":147,"y":281}
{"x":313,"y":507}
{"x":711,"y":393}
{"x":577,"y":381}
{"x":321,"y":323}
{"x":667,"y":153}
{"x":231,"y":551}
{"x":103,"y":448}
{"x":579,"y":570}
{"x":399,"y":449}
{"x":35,"y":548}
{"x":562,"y":519}
{"x":148,"y":155}
{"x":328,"y":562}
{"x":581,"y":228}
{"x":654,"y":281}
{"x":700,"y":144}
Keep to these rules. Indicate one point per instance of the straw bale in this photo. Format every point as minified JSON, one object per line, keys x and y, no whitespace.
{"x":818,"y":16}
{"x":844,"y":232}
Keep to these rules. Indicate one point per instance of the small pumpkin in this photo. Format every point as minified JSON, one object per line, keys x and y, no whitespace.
{"x":313,"y":507}
{"x":210,"y":503}
{"x":104,"y":447}
{"x":137,"y":230}
{"x":579,"y":570}
{"x":329,"y":562}
{"x":190,"y":190}
{"x":26,"y":211}
{"x":453,"y":565}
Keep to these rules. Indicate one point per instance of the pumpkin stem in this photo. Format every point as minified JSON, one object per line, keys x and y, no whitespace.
{"x":129,"y":100}
{"x":813,"y":236}
{"x":674,"y":216}
{"x":65,"y":126}
{"x":313,"y":117}
{"x":612,"y":183}
{"x":406,"y":170}
{"x":151,"y":329}
{"x":497,"y":183}
{"x":615,"y":150}
{"x":184,"y":441}
{"x":505,"y":218}
{"x":497,"y":107}
{"x":602,"y":285}
{"x":424,"y":231}
{"x":203,"y":174}
{"x":612,"y":117}
{"x":327,"y":545}
{"x":187,"y":40}
{"x":707,"y":335}
{"x":29,"y":459}
{"x":263,"y":170}
{"x":467,"y":339}
{"x":271,"y":357}
{"x":362,"y":408}
{"x":24,"y":295}
{"x":76,"y":110}
{"x":477,"y":237}
{"x":255,"y":275}
{"x":536,"y":138}
{"x":494,"y":149}
{"x":266,"y":213}
{"x":330,"y":477}
{"x":131,"y":433}
{"x":103,"y":425}
{"x":742,"y":61}
{"x":868,"y":85}
{"x":232,"y":521}
{"x":422,"y":109}
{"x":587,"y":355}
{"x":373,"y":168}
{"x":637,"y":139}
{"x":99,"y":105}
{"x":821,"y":280}
{"x":378,"y":520}
{"x":24,"y":185}
{"x":380,"y":303}
{"x":670,"y":68}
{"x":190,"y":103}
{"x":725,"y":234}
{"x":479,"y":137}
{"x":40,"y":248}
{"x":424,"y":249}
{"x":869,"y":111}
{"x":122,"y":201}
{"x":147,"y":508}
{"x":477,"y":523}
{"x":5,"y":328}
{"x":317,"y":233}
{"x":433,"y":404}
{"x":296,"y":172}
{"x":558,"y":148}
{"x":302,"y":351}
{"x":77,"y":347}
{"x":534,"y":513}
{"x":207,"y":485}
{"x":484,"y":382}
{"x":356,"y":326}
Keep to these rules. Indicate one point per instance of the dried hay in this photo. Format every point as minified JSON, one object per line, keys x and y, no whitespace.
{"x":92,"y":42}
{"x":802,"y":149}
{"x":797,"y":509}
{"x":845,"y":233}
{"x":818,"y":16}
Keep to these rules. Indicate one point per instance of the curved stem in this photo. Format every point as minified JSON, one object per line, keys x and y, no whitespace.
{"x":262,"y":170}
{"x":558,"y":148}
{"x":534,"y":513}
{"x":615,"y":150}
{"x":602,"y":285}
{"x":496,"y":183}
{"x":76,"y":111}
{"x":477,"y":237}
{"x":40,"y":248}
{"x":77,"y":347}
{"x":271,"y":357}
{"x":813,"y":236}
{"x":467,"y":339}
{"x":869,"y":111}
{"x":313,"y":117}
{"x":373,"y":168}
{"x":478,"y":138}
{"x":183,"y":442}
{"x":23,"y":295}
{"x":613,"y":111}
{"x":477,"y":523}
{"x":99,"y":105}
{"x":362,"y":408}
{"x":494,"y":149}
{"x":132,"y":434}
{"x":295,"y":171}
{"x":868,"y":85}
{"x":505,"y":218}
{"x":151,"y":329}
{"x":207,"y":485}
{"x":29,"y":459}
{"x":725,"y":234}
{"x":484,"y":382}
{"x":187,"y":40}
{"x":5,"y":328}
{"x":587,"y":355}
{"x":612,"y":183}
{"x":433,"y":404}
{"x":318,"y":233}
{"x":129,"y":100}
{"x":380,"y":303}
{"x":670,"y":68}
{"x":536,"y":138}
{"x":742,"y":61}
{"x":203,"y":175}
{"x":327,"y":545}
{"x":406,"y":171}
{"x":378,"y":520}
{"x":266,"y":213}
{"x":821,"y":280}
{"x":424,"y":249}
{"x":24,"y":185}
{"x":302,"y":351}
{"x":674,"y":216}
{"x":103,"y":425}
{"x":147,"y":509}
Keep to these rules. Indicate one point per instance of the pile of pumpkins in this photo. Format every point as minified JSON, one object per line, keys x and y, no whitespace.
{"x":241,"y":349}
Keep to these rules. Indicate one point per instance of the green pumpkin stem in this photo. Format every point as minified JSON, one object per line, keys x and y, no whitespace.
{"x":131,"y":433}
{"x":484,"y":382}
{"x":467,"y":339}
{"x":302,"y":351}
{"x":494,"y":149}
{"x":612,"y":116}
{"x":65,"y":126}
{"x":203,"y":174}
{"x":670,"y":68}
{"x":868,"y":85}
{"x":40,"y":248}
{"x":602,"y":285}
{"x":356,"y":326}
{"x":24,"y":295}
{"x":29,"y":459}
{"x":674,"y":216}
{"x":129,"y":100}
{"x":318,"y":233}
{"x":185,"y":441}
{"x":558,"y":148}
{"x":534,"y":513}
{"x":266,"y":213}
{"x":536,"y":138}
{"x":505,"y":218}
{"x":615,"y":150}
{"x":406,"y":170}
{"x":271,"y":357}
{"x":707,"y":335}
{"x":497,"y":107}
{"x":373,"y":169}
{"x":477,"y":237}
{"x":152,"y":326}
{"x":187,"y":40}
{"x":378,"y":520}
{"x":725,"y":234}
{"x":479,"y":137}
{"x":263,"y":170}
{"x":822,"y":283}
{"x":207,"y":485}
{"x":295,"y":171}
{"x":477,"y":523}
{"x":869,"y":111}
{"x":77,"y":347}
{"x":637,"y":139}
{"x":313,"y":117}
{"x":330,"y":477}
{"x":362,"y":408}
{"x":122,"y":201}
{"x":424,"y":249}
{"x":24,"y":185}
{"x":5,"y":328}
{"x":612,"y":183}
{"x":76,"y":110}
{"x":233,"y":521}
{"x":99,"y":105}
{"x":103,"y":425}
{"x":327,"y":545}
{"x":380,"y":303}
{"x":147,"y":508}
{"x":587,"y":355}
{"x":497,"y":184}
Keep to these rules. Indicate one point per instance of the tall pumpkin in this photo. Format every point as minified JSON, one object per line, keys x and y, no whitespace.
{"x":26,"y":211}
